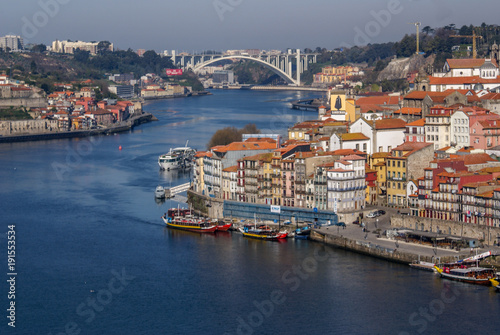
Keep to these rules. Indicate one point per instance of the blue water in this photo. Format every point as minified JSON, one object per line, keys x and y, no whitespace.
{"x":93,"y":256}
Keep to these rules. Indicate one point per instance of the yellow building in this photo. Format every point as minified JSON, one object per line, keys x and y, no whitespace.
{"x":377,"y":162}
{"x":276,"y":178}
{"x":266,"y":179}
{"x":342,"y":107}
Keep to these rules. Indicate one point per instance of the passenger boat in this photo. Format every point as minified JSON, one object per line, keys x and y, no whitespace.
{"x":263,"y":233}
{"x":224,"y":227}
{"x":177,"y":158}
{"x":170,"y":161}
{"x":159,"y":192}
{"x":302,"y":233}
{"x":189,"y":224}
{"x":472,"y":275}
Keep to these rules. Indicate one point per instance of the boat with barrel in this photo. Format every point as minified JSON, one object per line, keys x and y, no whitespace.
{"x":263,"y":233}
{"x":189,"y":224}
{"x":471,"y":275}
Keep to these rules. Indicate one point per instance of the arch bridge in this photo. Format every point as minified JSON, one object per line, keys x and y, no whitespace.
{"x":279,"y":63}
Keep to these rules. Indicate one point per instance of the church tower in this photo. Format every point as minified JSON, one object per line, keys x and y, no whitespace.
{"x":494,"y":53}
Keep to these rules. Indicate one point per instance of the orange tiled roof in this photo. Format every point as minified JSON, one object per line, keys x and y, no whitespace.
{"x":389,"y":124}
{"x":353,"y":137}
{"x":462,"y":80}
{"x":235,"y":146}
{"x":467,"y":63}
{"x":409,"y":111}
{"x":233,"y":168}
{"x":418,"y":123}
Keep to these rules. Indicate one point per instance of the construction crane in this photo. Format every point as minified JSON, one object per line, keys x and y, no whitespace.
{"x":417,"y":24}
{"x":474,"y":37}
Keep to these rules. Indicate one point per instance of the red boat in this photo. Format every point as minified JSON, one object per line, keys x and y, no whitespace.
{"x":224,"y":227}
{"x":199,"y":226}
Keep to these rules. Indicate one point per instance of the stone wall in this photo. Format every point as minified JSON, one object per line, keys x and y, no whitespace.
{"x":202,"y":204}
{"x":489,"y":235}
{"x":374,"y":250}
{"x":25,"y":102}
{"x":22,"y":127}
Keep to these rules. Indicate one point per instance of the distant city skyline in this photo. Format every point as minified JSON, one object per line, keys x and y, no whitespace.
{"x":197,"y":25}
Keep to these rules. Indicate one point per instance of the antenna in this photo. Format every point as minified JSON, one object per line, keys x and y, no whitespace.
{"x":417,"y":25}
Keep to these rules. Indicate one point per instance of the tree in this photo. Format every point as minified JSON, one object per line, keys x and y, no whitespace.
{"x":229,"y":135}
{"x":39,"y":48}
{"x":427,"y":30}
{"x":81,"y":56}
{"x":103,"y":46}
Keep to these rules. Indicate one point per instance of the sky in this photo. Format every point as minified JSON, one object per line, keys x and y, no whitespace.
{"x":196,"y":25}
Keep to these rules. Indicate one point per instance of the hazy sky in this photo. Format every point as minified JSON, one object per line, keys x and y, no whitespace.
{"x":193,"y":25}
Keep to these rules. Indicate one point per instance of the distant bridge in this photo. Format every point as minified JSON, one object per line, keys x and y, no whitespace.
{"x":279,"y":63}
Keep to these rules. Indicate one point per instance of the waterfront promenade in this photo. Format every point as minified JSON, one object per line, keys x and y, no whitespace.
{"x":367,"y":241}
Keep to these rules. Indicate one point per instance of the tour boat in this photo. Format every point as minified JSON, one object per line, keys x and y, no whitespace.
{"x":159,"y":192}
{"x":177,"y":158}
{"x":263,"y":234}
{"x":189,"y":224}
{"x":472,"y":275}
{"x":170,"y":161}
{"x":224,"y":227}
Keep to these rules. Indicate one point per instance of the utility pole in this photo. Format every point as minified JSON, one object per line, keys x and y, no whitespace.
{"x":417,"y":25}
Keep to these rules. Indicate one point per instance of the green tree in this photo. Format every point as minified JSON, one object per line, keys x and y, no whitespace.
{"x":39,"y":48}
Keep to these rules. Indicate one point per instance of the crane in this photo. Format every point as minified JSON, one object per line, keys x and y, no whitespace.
{"x":417,"y":24}
{"x":474,"y":37}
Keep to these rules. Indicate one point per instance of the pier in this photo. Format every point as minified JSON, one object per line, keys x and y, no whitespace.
{"x":308,"y":104}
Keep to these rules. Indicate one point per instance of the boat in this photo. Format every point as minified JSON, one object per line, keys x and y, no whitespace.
{"x":472,"y":275}
{"x":159,"y":192}
{"x":263,"y":233}
{"x":177,"y":158}
{"x":186,"y":153}
{"x":170,"y":161}
{"x":222,"y":226}
{"x":189,"y":224}
{"x":302,"y":233}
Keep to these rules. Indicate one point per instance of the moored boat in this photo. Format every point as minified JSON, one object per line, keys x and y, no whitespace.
{"x":170,"y":161}
{"x":263,"y":234}
{"x":427,"y":266}
{"x":189,"y":224}
{"x":302,"y":233}
{"x":224,"y":227}
{"x":160,"y":192}
{"x":472,"y":275}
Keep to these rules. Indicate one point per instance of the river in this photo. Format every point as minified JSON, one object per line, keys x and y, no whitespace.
{"x":94,"y":257}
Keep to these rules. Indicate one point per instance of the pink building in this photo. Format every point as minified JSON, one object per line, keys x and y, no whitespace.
{"x":485,"y":134}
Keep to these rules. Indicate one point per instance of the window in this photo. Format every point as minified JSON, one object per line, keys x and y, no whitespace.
{"x":364,"y":147}
{"x":404,"y":164}
{"x":399,"y":164}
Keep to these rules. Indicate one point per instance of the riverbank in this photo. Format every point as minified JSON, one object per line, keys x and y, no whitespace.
{"x":116,"y":128}
{"x":356,"y":239}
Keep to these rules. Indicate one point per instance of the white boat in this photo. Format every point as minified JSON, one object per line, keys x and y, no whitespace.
{"x":177,"y":158}
{"x":159,"y":192}
{"x":170,"y":161}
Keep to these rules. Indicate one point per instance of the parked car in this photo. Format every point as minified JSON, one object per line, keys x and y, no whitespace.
{"x":381,"y":212}
{"x":371,"y":215}
{"x":340,"y":224}
{"x":356,"y":222}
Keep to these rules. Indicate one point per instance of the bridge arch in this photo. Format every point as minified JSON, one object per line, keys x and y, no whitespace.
{"x":271,"y":67}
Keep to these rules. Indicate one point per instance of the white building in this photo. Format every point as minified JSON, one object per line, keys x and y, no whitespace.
{"x":13,"y":42}
{"x":346,"y":184}
{"x":355,"y":141}
{"x":459,"y":129}
{"x":437,"y":124}
{"x":384,"y":134}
